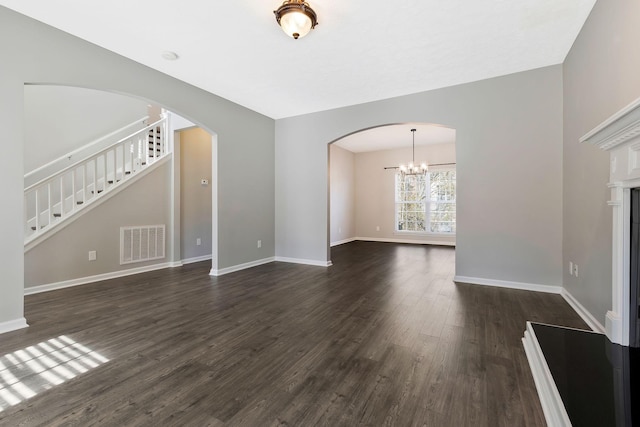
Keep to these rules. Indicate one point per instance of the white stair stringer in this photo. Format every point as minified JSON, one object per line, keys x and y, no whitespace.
{"x":61,"y":223}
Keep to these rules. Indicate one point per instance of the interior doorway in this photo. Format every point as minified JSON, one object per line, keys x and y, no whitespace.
{"x":367,"y":199}
{"x":196,"y":197}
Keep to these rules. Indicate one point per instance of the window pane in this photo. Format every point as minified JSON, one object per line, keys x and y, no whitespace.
{"x":411,"y":203}
{"x":442,"y":214}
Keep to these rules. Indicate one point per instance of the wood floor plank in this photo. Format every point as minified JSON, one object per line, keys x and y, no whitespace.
{"x":383,"y":337}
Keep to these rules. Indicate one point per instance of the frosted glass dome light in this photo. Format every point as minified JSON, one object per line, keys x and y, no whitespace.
{"x":296,"y":18}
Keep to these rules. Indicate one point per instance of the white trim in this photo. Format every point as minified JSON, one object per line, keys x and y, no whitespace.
{"x":196,"y":259}
{"x":614,"y":327}
{"x":215,"y":252}
{"x":588,"y":318}
{"x":239,"y":267}
{"x":304,"y":261}
{"x":97,"y":278}
{"x":554,"y":411}
{"x":617,"y":129}
{"x":414,"y":241}
{"x":93,"y":203}
{"x":13,"y":325}
{"x":342,"y":242}
{"x":508,"y":284}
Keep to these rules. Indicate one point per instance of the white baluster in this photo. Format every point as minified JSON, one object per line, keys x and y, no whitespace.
{"x":132,"y":156}
{"x":73,"y":190}
{"x":95,"y":177}
{"x":84,"y":183}
{"x":156,"y":133}
{"x":165,"y":136}
{"x":146,"y":148}
{"x":49,"y":202}
{"x":104,"y":180}
{"x":61,"y":196}
{"x":37,"y":210}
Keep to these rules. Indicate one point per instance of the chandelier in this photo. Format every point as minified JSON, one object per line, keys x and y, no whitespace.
{"x":413,"y":168}
{"x":296,"y":18}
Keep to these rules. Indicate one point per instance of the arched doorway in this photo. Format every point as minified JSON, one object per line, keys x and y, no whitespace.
{"x":367,"y":200}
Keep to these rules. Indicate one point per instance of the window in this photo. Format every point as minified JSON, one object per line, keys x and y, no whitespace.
{"x":426,"y":203}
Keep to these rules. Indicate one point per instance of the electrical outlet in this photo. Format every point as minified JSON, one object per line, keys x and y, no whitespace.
{"x":92,"y":255}
{"x":198,"y":241}
{"x":575,"y":270}
{"x":259,"y":243}
{"x":377,"y":228}
{"x":571,"y":268}
{"x":339,"y":229}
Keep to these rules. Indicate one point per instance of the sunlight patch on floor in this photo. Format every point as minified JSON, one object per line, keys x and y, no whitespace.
{"x":29,"y":371}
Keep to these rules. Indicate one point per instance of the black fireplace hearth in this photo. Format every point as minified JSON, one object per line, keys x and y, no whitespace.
{"x":597,"y":380}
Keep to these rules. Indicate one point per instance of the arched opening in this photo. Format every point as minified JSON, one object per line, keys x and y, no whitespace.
{"x":369,"y":199}
{"x":76,"y":116}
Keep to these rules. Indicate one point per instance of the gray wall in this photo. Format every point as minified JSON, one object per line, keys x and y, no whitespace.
{"x":59,"y":119}
{"x":64,"y":256}
{"x":343,"y":196}
{"x":600,"y":77}
{"x":195,"y":199}
{"x":375,"y":190}
{"x":509,"y":155}
{"x":36,"y":53}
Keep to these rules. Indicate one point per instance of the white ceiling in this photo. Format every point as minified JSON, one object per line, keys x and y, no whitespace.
{"x":396,"y":136}
{"x":362,"y":50}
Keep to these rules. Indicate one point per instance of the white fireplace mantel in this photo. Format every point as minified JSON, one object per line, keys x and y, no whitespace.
{"x":620,"y":136}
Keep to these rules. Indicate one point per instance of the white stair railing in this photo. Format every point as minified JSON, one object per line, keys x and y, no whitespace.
{"x":51,"y":200}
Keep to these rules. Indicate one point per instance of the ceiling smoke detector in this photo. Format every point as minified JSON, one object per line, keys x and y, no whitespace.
{"x":170,"y":56}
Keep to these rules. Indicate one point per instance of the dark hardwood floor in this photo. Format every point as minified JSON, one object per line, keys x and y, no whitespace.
{"x":383,"y":337}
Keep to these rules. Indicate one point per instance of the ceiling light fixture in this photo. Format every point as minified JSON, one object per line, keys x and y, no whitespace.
{"x":296,"y":18}
{"x":412,"y":168}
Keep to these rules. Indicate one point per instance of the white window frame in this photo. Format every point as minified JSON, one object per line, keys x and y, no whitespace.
{"x":398,"y":202}
{"x":427,"y":206}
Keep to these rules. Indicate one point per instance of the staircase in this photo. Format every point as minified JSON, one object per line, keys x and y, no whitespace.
{"x":49,"y":202}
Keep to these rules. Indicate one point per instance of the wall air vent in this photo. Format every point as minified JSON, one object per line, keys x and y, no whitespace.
{"x":141,"y":243}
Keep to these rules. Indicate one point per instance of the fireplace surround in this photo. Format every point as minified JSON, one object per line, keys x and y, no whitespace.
{"x":620,"y":136}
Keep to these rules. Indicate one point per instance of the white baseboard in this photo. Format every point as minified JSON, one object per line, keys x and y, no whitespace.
{"x":13,"y":325}
{"x":97,"y":278}
{"x":508,"y":284}
{"x":588,"y":318}
{"x":239,"y":267}
{"x":196,"y":259}
{"x":552,"y":406}
{"x":413,"y":241}
{"x":342,"y":242}
{"x":304,"y":261}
